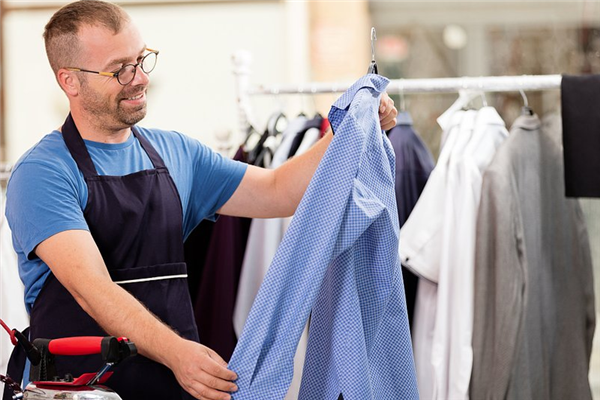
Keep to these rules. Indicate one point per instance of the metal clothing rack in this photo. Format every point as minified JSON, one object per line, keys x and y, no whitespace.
{"x":242,"y":63}
{"x":4,"y":172}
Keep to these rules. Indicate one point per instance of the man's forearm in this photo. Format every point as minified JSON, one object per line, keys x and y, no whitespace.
{"x":120,"y":314}
{"x":78,"y":265}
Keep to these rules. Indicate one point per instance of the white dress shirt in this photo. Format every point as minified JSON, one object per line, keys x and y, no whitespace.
{"x":452,"y":354}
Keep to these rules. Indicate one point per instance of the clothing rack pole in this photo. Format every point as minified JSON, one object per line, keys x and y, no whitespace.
{"x":243,"y":59}
{"x":432,"y":85}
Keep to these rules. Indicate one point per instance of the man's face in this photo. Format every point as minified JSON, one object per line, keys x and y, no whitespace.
{"x":109,"y":103}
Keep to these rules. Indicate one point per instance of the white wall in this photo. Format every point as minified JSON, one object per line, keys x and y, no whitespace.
{"x":192,"y":87}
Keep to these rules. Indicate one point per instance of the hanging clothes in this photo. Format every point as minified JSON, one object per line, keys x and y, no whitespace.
{"x":420,"y":244}
{"x":442,"y":251}
{"x":214,"y":303}
{"x":452,"y":352}
{"x":580,"y":96}
{"x":311,"y":128}
{"x":414,"y":164}
{"x":263,"y":240}
{"x":195,"y":249}
{"x":359,"y":343}
{"x":534,"y":297}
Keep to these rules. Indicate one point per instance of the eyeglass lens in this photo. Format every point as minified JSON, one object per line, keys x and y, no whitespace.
{"x":127,"y":73}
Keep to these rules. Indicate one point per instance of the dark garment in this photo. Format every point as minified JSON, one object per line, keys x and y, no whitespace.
{"x":580,"y":97}
{"x":414,"y":163}
{"x":214,"y":304}
{"x":316,"y":122}
{"x":136,"y":221}
{"x":195,"y":249}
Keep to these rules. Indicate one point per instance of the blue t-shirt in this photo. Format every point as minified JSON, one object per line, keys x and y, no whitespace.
{"x":47,"y":193}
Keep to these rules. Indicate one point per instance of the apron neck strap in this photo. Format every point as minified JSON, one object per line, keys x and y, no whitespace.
{"x":77,"y":147}
{"x":82,"y":157}
{"x":157,"y":161}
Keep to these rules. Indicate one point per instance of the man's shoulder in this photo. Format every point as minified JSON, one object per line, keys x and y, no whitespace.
{"x":51,"y":151}
{"x":48,"y":157}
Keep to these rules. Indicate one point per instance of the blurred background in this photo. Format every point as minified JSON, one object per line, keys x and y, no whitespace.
{"x":193,"y":88}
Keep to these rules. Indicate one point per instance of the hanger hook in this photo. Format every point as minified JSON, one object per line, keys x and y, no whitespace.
{"x":301,"y":93}
{"x":276,"y":98}
{"x":373,"y":39}
{"x":402,"y":102}
{"x":313,"y":90}
{"x":525,"y":102}
{"x":484,"y":100}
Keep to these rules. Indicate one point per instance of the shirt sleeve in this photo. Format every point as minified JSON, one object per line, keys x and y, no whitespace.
{"x":41,"y":201}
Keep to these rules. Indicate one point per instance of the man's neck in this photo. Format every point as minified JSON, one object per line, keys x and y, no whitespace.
{"x":90,"y":129}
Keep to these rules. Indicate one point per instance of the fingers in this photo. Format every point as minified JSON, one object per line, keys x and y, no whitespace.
{"x":207,"y":386}
{"x":216,"y":369}
{"x":389,"y":121}
{"x":203,"y":373}
{"x":213,"y":382}
{"x":387,"y":112}
{"x":385,"y":104}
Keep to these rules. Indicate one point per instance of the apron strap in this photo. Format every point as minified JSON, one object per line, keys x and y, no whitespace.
{"x":157,"y":161}
{"x":80,"y":153}
{"x":16,"y":367}
{"x":77,"y":147}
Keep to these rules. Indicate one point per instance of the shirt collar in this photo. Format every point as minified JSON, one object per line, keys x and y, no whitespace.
{"x":528,"y":122}
{"x":376,"y":82}
{"x":488,"y":116}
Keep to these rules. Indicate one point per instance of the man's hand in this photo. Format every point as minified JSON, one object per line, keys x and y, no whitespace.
{"x":77,"y":263}
{"x":201,"y":372}
{"x":387,"y":112}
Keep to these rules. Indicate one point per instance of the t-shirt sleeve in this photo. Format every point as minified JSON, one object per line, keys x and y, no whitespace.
{"x":41,"y":201}
{"x":215,"y":180}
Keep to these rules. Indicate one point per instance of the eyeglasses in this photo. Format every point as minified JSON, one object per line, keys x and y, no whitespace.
{"x":126,"y":73}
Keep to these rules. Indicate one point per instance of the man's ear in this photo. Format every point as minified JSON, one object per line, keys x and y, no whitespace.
{"x":68,"y":81}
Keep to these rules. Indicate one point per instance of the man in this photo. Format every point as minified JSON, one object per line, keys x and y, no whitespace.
{"x":99,"y":210}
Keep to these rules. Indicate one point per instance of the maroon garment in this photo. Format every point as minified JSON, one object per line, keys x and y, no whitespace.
{"x":214,"y":304}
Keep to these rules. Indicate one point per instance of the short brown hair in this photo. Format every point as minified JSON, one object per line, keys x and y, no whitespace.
{"x":60,"y":34}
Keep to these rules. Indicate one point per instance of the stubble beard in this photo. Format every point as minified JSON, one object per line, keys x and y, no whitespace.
{"x":111,"y":113}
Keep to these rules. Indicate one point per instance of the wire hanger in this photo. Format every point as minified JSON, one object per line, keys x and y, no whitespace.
{"x":482,"y":94}
{"x":402,"y":101}
{"x":373,"y":67}
{"x":526,"y":110}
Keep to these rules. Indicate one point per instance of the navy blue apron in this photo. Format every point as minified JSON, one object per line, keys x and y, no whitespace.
{"x":136,"y":221}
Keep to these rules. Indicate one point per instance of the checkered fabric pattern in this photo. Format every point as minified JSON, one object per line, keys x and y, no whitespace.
{"x":339,"y":258}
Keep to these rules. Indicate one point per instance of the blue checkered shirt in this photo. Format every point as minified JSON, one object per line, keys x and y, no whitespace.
{"x":338,"y":259}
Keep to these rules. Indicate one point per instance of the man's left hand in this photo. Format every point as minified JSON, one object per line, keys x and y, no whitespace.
{"x":387,"y":112}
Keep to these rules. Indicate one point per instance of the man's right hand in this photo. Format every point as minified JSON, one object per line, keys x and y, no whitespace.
{"x":201,"y":371}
